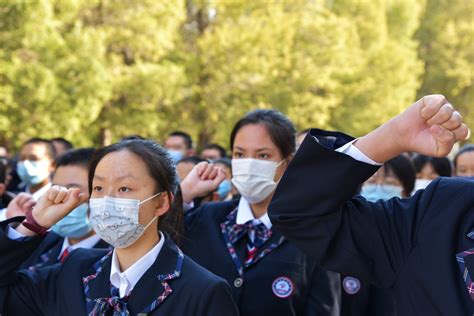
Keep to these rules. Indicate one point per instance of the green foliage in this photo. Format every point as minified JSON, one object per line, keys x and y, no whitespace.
{"x":94,"y":71}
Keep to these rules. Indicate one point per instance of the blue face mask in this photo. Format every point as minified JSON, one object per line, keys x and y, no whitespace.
{"x":224,"y":189}
{"x":32,"y":172}
{"x":75,"y":225}
{"x":176,"y":155}
{"x":373,"y":192}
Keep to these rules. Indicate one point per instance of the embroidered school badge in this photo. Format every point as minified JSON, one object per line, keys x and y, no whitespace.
{"x":283,"y":287}
{"x":351,"y":285}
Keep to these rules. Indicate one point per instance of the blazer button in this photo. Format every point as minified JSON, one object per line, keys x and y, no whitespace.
{"x":238,"y":282}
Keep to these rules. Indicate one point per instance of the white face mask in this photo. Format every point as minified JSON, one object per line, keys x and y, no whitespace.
{"x":115,"y":220}
{"x":253,"y":178}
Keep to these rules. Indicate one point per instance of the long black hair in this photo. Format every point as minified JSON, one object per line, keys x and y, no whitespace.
{"x":161,"y":168}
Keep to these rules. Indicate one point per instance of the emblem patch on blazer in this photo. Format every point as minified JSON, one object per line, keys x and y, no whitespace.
{"x":283,"y":287}
{"x":351,"y":285}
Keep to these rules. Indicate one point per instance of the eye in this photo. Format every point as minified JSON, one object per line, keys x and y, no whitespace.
{"x":238,"y":155}
{"x":97,"y":188}
{"x":263,"y":156}
{"x":124,"y":189}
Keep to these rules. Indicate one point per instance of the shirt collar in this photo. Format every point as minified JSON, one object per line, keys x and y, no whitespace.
{"x":245,"y":214}
{"x":38,"y":193}
{"x":87,"y":243}
{"x":126,"y":281}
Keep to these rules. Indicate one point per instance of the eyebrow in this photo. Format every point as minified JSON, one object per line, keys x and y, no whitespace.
{"x":101,"y":178}
{"x":260,"y":149}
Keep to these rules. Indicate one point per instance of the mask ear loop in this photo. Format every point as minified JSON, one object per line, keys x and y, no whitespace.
{"x":148,"y":199}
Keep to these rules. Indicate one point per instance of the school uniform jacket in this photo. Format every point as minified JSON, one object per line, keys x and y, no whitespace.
{"x":420,"y":247}
{"x":173,"y":285}
{"x":48,"y":251}
{"x":282,"y":280}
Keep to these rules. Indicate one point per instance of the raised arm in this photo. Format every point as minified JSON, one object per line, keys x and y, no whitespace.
{"x":314,"y":204}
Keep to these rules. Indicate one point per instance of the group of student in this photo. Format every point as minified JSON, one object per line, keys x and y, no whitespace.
{"x":121,"y":231}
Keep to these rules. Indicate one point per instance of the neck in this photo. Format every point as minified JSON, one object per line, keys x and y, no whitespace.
{"x":259,"y":209}
{"x":38,"y":186}
{"x":73,"y":241}
{"x":128,"y":256}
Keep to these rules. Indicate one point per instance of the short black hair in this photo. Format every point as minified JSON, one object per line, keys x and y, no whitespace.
{"x":279,"y":127}
{"x":441,"y":165}
{"x":193,"y":159}
{"x":224,"y":161}
{"x":132,"y":137}
{"x":76,"y":157}
{"x":217,"y":147}
{"x":67,"y":144}
{"x":188,"y":141}
{"x":50,"y":151}
{"x":464,"y":149}
{"x":403,"y":169}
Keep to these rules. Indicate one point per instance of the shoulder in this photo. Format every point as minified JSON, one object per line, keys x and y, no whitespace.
{"x":210,"y":212}
{"x":82,"y":258}
{"x":200,"y":277}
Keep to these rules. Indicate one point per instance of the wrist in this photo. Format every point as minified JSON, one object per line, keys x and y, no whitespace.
{"x":186,"y":192}
{"x":32,"y":225}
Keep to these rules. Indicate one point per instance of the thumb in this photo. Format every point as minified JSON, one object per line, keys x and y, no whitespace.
{"x":445,"y":140}
{"x":220,"y":176}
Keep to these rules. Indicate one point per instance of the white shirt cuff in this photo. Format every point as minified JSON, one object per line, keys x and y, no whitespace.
{"x":14,"y":234}
{"x":188,"y":206}
{"x":351,"y":150}
{"x":3,"y":214}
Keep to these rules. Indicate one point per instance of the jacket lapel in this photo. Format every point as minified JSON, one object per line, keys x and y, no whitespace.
{"x":274,"y":242}
{"x":154,"y":286}
{"x":465,"y":261}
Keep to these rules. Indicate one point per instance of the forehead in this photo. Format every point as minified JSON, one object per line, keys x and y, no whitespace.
{"x":466,"y":158}
{"x":254,"y":137}
{"x":37,"y":149}
{"x":72,"y":174}
{"x":122,"y":163}
{"x":174,"y":140}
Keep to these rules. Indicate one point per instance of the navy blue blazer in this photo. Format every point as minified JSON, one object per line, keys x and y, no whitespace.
{"x":48,"y":251}
{"x":171,"y":286}
{"x":306,"y":289}
{"x":408,"y":245}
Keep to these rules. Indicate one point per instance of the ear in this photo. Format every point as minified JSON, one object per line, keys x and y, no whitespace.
{"x":165,"y":201}
{"x":2,"y":188}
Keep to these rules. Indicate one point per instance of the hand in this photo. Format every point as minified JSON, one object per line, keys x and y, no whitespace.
{"x":55,"y":204}
{"x":203,"y":179}
{"x":21,"y":204}
{"x":431,"y":126}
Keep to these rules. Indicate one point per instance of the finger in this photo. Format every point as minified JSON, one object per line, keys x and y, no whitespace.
{"x":220,"y":176}
{"x":432,"y":105}
{"x":73,"y":198}
{"x":201,"y":167}
{"x":444,"y":139}
{"x":29,"y":205}
{"x":21,"y":199}
{"x":454,"y":121}
{"x":62,"y":194}
{"x":52,"y":192}
{"x":442,"y":116}
{"x":462,"y":132}
{"x":207,"y":172}
{"x":213,"y":174}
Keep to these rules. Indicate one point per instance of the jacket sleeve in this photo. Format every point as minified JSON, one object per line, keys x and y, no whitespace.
{"x":324,"y":297}
{"x":314,"y":206}
{"x":22,"y":293}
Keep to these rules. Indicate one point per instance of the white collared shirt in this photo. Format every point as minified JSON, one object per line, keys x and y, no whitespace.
{"x":126,"y":281}
{"x":40,"y":192}
{"x":245,"y":214}
{"x":87,"y":243}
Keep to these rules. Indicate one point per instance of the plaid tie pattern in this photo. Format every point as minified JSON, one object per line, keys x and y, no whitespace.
{"x":460,"y":257}
{"x":113,"y":305}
